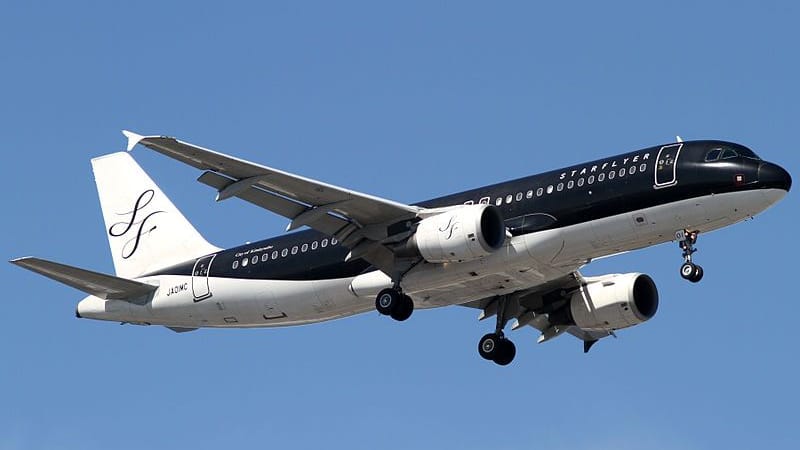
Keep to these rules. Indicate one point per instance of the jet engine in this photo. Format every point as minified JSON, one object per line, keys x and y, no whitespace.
{"x":463,"y":233}
{"x":614,"y":301}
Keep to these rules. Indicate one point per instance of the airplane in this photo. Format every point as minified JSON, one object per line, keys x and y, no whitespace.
{"x":512,"y":250}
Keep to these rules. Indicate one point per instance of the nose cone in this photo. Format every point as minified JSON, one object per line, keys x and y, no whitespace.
{"x":774,"y":176}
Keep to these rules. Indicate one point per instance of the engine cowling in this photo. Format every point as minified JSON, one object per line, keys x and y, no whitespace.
{"x":463,"y":233}
{"x":614,"y":301}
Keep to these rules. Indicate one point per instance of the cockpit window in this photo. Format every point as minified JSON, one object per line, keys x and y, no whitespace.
{"x":747,"y":153}
{"x":730,"y":151}
{"x":713,"y":155}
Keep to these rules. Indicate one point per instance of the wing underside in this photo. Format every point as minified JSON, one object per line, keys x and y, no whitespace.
{"x":530,"y":307}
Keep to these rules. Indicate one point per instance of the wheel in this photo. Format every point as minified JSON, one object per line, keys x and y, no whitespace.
{"x":387,"y":300}
{"x":688,"y":271}
{"x":403,"y":309}
{"x":487,"y":346}
{"x":697,"y":275}
{"x":506,"y":350}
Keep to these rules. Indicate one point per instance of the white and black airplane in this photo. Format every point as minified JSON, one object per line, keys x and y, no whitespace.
{"x":512,"y":250}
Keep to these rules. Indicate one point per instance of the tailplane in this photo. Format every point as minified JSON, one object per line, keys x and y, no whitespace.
{"x":146,"y":232}
{"x":98,"y":284}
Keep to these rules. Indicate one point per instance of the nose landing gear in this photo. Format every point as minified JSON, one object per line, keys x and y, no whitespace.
{"x":689,"y":270}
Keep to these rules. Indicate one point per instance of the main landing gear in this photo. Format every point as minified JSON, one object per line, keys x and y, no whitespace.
{"x":689,"y":270}
{"x":495,"y":346}
{"x":392,"y":302}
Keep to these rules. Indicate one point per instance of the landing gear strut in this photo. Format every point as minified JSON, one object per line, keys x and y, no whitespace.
{"x":495,"y":346}
{"x":392,"y":302}
{"x":689,"y":270}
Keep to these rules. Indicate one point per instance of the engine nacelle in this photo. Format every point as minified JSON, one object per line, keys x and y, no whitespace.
{"x":614,"y":301}
{"x":463,"y":233}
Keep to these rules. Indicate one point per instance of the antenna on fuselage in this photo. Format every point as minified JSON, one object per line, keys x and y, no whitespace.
{"x":678,"y":138}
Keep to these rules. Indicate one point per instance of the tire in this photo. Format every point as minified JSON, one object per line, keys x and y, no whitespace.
{"x":697,"y":275}
{"x":688,"y":271}
{"x":387,"y":300}
{"x":506,"y":354}
{"x":403,"y":309}
{"x":487,"y":346}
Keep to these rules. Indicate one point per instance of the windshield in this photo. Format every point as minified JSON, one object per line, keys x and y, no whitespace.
{"x":720,"y":152}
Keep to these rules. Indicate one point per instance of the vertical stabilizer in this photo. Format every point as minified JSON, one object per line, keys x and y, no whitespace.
{"x":145,"y":230}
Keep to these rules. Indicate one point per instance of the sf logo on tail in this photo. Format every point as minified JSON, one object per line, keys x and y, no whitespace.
{"x":132,"y":224}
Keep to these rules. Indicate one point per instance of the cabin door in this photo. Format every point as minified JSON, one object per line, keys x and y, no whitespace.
{"x":667,"y":166}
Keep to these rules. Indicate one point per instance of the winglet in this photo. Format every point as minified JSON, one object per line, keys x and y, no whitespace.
{"x":133,"y":138}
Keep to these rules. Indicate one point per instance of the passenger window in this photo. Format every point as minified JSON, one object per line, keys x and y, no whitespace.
{"x":529,"y":194}
{"x":244,"y":262}
{"x":550,"y":189}
{"x":255,"y":259}
{"x":265,"y":257}
{"x":284,"y":252}
{"x":713,"y":155}
{"x":334,"y":241}
{"x":509,"y":197}
{"x":728,"y":153}
{"x":571,"y":184}
{"x":236,"y":264}
{"x":274,"y":254}
{"x":560,"y":187}
{"x":631,"y":170}
{"x":324,"y":243}
{"x":622,"y":172}
{"x":484,"y":201}
{"x":314,"y":245}
{"x":601,"y":177}
{"x":580,"y":181}
{"x":591,"y":179}
{"x":611,"y":175}
{"x":294,"y":250}
{"x":469,"y":202}
{"x":642,"y":167}
{"x":304,"y":248}
{"x":499,"y":201}
{"x":519,"y":196}
{"x":539,"y":192}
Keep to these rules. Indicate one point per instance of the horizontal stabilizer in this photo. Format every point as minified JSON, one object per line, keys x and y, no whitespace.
{"x":100,"y":285}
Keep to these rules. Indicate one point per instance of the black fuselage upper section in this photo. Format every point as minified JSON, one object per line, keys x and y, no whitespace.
{"x":559,"y":198}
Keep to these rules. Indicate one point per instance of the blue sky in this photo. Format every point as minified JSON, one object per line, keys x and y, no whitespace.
{"x":407,"y":101}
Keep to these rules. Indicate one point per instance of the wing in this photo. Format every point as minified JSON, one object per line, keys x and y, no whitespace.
{"x":532,"y":306}
{"x":359,"y":221}
{"x":98,"y":284}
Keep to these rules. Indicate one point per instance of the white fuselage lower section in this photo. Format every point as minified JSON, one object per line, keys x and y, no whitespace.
{"x":523,"y":262}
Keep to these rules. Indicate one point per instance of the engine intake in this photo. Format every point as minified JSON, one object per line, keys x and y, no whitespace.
{"x":463,"y":233}
{"x":614,"y":301}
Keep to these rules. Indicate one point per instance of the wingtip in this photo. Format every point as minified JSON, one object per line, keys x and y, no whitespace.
{"x":133,"y":138}
{"x":20,"y":261}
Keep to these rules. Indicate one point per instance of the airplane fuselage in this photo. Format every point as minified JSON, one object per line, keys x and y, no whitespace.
{"x":558,"y":221}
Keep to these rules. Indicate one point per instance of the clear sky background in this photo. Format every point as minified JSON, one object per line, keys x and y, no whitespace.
{"x":408,"y":101}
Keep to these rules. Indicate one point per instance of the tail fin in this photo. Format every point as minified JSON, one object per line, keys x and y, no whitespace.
{"x":145,"y":230}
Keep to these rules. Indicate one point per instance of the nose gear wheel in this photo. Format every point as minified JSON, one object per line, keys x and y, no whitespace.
{"x":689,"y":270}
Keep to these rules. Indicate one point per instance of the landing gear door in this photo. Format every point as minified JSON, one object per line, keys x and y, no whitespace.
{"x":200,"y":288}
{"x":667,"y":166}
